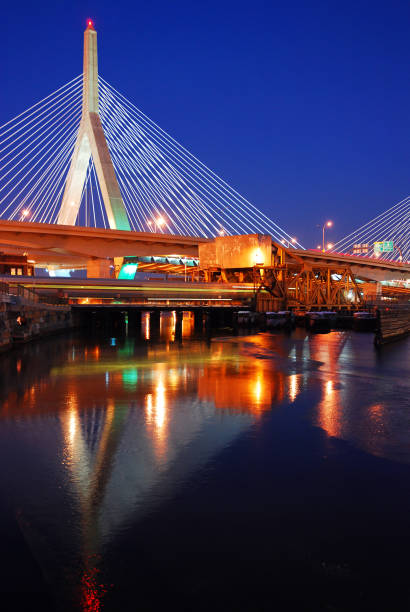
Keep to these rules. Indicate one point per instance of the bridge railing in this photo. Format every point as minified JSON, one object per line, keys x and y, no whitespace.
{"x":29,"y":295}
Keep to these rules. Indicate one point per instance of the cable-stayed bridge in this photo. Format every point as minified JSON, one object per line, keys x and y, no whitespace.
{"x":85,"y":155}
{"x":87,"y":177}
{"x":391,"y":227}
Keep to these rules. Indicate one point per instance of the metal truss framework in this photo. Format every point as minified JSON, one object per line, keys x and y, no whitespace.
{"x":299,"y":286}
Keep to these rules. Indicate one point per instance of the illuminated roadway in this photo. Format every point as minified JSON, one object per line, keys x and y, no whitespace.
{"x":141,"y":292}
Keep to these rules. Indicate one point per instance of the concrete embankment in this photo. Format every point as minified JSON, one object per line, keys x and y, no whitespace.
{"x":22,"y":320}
{"x":393,"y":322}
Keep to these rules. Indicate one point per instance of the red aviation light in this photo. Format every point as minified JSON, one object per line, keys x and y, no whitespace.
{"x":90,"y":23}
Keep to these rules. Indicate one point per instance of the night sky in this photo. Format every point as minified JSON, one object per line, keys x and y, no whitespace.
{"x":302,"y":107}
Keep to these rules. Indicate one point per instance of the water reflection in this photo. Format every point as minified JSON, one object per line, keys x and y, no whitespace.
{"x":130,"y":421}
{"x":164,"y":327}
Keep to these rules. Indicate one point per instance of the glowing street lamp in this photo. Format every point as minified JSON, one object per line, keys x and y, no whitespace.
{"x":329,"y":246}
{"x":287,"y":242}
{"x":24,"y":214}
{"x":325,"y":225}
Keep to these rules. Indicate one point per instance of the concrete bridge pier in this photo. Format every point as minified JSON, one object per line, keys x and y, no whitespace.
{"x":100,"y":268}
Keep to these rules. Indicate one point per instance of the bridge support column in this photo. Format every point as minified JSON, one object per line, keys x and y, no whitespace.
{"x":178,"y":325}
{"x":99,"y":268}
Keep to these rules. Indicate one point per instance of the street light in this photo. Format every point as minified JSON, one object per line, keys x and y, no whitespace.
{"x":159,"y":222}
{"x":327,"y":224}
{"x":287,"y":242}
{"x":396,"y":246}
{"x":25,"y":213}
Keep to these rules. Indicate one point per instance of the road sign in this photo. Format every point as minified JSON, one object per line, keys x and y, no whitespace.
{"x":361,"y":248}
{"x":384,"y":247}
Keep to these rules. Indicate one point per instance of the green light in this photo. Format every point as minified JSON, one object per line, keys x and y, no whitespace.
{"x":130,"y":379}
{"x":128,"y":271}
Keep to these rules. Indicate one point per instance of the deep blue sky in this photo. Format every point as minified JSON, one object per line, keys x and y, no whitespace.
{"x":303,"y":107}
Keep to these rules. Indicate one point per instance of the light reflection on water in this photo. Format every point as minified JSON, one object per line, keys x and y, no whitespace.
{"x":130,"y":422}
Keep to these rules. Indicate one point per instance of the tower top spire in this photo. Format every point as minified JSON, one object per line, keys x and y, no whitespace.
{"x":91,"y":142}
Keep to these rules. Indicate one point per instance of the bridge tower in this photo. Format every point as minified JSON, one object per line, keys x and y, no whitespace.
{"x":91,"y":141}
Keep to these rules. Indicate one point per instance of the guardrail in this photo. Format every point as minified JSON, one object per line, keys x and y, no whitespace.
{"x":30,"y":295}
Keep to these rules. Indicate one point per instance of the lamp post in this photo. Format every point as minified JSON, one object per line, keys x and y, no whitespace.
{"x":325,"y":225}
{"x":400,"y":251}
{"x":287,"y":242}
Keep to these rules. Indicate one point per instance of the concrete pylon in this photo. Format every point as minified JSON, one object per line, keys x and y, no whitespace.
{"x":91,"y":142}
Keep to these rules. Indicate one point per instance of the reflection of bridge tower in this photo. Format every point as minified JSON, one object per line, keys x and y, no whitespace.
{"x":91,"y":142}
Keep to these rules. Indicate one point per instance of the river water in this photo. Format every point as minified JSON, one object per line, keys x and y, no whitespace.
{"x":260,"y":472}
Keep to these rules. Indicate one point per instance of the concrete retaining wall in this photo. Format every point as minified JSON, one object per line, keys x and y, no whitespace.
{"x":22,"y":321}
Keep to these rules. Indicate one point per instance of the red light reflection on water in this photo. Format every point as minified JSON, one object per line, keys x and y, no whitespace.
{"x":92,"y":592}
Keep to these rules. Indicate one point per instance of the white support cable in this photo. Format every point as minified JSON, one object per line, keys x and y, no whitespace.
{"x":158,"y":190}
{"x":221,"y":186}
{"x":273,"y":227}
{"x":167,"y":183}
{"x":41,"y":114}
{"x":392,"y":224}
{"x":21,"y":179}
{"x":92,"y":203}
{"x":99,"y":196}
{"x":205,"y":194}
{"x":46,"y":147}
{"x":384,"y":225}
{"x":61,"y":169}
{"x":381,"y":226}
{"x":44,"y":136}
{"x":381,"y":231}
{"x":79,"y":76}
{"x":158,"y":187}
{"x":43,"y":177}
{"x":43,"y":181}
{"x":84,"y":193}
{"x":135,"y":219}
{"x":144,"y":185}
{"x":55,"y":118}
{"x":369,"y":224}
{"x":38,"y":122}
{"x":218,"y":223}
